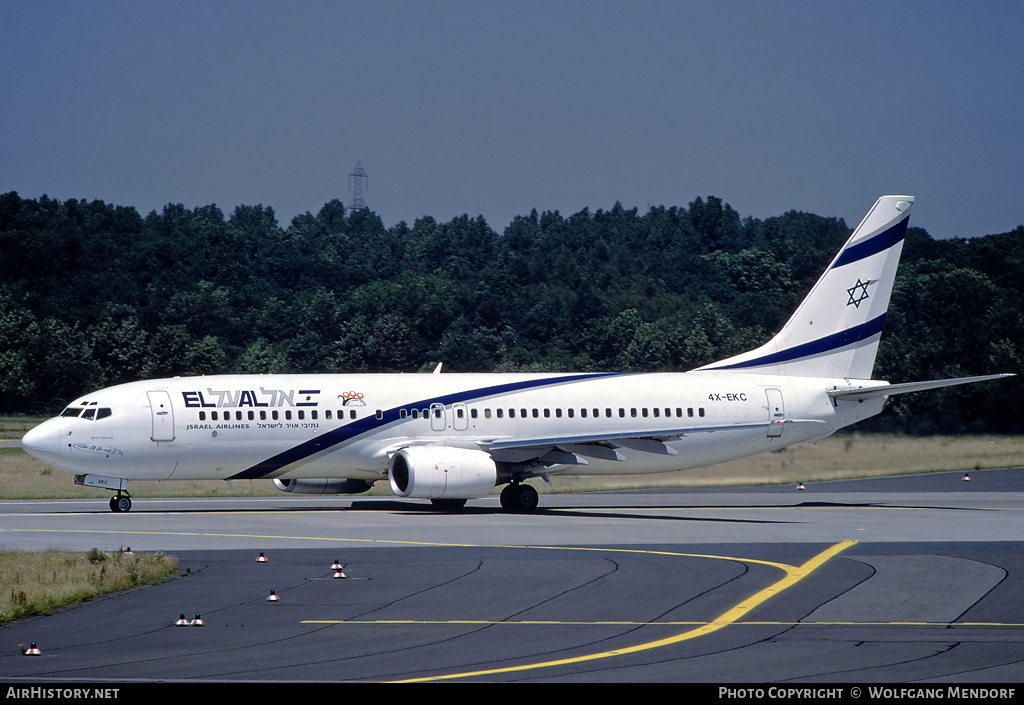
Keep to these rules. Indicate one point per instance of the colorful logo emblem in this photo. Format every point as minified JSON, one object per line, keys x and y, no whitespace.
{"x":353,"y":399}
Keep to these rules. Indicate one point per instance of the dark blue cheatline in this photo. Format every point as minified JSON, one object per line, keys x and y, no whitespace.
{"x":822,"y":346}
{"x":368,"y":424}
{"x":879,"y":243}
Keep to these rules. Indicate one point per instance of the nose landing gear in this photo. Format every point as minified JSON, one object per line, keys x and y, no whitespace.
{"x":120,"y":503}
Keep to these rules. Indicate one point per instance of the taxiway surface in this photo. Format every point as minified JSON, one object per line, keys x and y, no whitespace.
{"x":913,"y":579}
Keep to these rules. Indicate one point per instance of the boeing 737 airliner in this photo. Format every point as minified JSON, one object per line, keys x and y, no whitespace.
{"x":453,"y":437}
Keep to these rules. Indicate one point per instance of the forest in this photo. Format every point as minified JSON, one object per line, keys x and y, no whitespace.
{"x":93,"y":294}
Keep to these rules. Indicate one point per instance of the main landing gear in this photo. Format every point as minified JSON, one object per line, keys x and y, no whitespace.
{"x":517,"y":497}
{"x":120,"y":503}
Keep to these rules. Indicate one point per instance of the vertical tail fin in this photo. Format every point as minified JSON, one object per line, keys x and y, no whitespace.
{"x":835,"y":331}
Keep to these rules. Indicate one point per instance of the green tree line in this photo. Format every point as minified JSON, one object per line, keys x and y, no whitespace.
{"x":93,"y":294}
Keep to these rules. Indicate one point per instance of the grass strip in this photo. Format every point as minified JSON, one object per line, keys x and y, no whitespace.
{"x":39,"y":582}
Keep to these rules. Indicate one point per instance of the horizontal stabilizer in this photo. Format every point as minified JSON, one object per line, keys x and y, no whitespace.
{"x":884,"y":390}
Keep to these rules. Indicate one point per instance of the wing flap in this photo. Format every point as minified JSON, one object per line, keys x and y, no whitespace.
{"x":574,"y":450}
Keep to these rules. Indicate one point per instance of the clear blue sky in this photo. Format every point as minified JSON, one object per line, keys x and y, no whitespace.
{"x":496,"y":108}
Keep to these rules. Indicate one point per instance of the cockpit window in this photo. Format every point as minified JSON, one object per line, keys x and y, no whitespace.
{"x":92,"y":414}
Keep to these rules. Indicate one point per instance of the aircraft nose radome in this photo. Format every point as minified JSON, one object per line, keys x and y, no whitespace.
{"x":43,"y":442}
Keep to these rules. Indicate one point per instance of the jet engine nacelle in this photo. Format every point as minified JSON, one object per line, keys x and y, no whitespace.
{"x":324,"y":486}
{"x":440,"y":472}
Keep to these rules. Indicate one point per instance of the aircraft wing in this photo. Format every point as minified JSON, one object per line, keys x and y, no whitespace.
{"x":574,"y":450}
{"x":886,"y":389}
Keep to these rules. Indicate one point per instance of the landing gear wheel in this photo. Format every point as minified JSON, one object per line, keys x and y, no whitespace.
{"x":120,"y":503}
{"x":518,"y":497}
{"x":448,"y":505}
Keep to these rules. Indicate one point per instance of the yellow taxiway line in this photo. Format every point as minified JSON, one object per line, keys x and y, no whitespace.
{"x":794,"y":574}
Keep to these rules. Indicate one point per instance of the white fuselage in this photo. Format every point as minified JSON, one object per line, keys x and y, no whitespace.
{"x":347,"y":426}
{"x":452,"y":437}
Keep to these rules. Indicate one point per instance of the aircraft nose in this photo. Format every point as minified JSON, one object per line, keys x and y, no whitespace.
{"x":43,"y":441}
